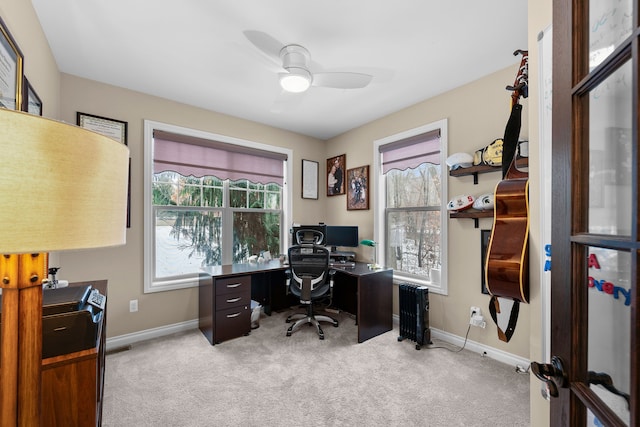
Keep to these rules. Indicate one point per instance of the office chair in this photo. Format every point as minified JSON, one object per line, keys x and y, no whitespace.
{"x":310,"y":279}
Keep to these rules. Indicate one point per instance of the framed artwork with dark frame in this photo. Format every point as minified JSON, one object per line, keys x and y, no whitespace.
{"x":485,"y":236}
{"x":309,"y":179}
{"x":114,"y":129}
{"x":358,"y":188}
{"x":31,"y":102}
{"x":11,"y":72}
{"x":335,"y":175}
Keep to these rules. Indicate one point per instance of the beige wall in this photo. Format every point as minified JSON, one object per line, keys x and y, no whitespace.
{"x":39,"y":65}
{"x":473,"y":122}
{"x":123,"y":266}
{"x":477,"y":114}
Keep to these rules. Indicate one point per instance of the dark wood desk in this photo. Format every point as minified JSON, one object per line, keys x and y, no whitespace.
{"x":225,"y":294}
{"x":369,"y":295}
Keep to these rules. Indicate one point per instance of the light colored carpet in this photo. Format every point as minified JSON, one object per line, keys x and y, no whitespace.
{"x":268,"y":379}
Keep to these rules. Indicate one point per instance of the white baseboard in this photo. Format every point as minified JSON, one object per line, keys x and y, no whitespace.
{"x":494,"y":353}
{"x":147,"y":334}
{"x":132,"y":338}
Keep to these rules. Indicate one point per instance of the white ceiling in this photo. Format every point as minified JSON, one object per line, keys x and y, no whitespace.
{"x":195,"y":52}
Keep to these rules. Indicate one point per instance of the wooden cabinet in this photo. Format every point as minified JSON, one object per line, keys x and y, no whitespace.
{"x":73,"y":383}
{"x":224,"y":307}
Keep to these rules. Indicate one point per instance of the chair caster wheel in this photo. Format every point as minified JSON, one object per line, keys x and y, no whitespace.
{"x":288,"y":333}
{"x":288,"y":321}
{"x":335,"y":325}
{"x":321,"y":337}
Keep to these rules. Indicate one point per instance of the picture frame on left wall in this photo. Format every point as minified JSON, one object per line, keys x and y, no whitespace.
{"x":31,"y":102}
{"x":111,"y":128}
{"x":114,"y":129}
{"x":12,"y":71}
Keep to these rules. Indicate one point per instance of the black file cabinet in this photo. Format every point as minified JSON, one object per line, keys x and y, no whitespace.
{"x":224,"y":307}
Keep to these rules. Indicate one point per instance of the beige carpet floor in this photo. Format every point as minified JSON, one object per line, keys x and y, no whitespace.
{"x":268,"y":379}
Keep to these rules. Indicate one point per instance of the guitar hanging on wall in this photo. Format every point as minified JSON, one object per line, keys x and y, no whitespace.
{"x":507,"y":263}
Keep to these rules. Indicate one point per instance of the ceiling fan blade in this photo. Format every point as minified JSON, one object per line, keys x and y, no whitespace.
{"x":340,"y":80}
{"x":265,"y":43}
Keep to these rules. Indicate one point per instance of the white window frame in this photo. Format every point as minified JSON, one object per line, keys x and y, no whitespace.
{"x":380,"y":204}
{"x":151,"y":285}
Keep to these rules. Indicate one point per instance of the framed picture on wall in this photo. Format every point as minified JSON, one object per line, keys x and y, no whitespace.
{"x":358,"y":188}
{"x":114,"y":129}
{"x":309,"y":179}
{"x":31,"y":102}
{"x":11,"y":71}
{"x":335,"y":175}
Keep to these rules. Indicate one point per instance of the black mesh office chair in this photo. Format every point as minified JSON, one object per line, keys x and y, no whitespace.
{"x":310,"y":278}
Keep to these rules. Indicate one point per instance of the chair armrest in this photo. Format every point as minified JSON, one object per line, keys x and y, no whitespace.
{"x":288,"y":276}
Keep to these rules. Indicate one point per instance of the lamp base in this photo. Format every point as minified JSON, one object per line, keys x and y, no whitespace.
{"x":21,"y":347}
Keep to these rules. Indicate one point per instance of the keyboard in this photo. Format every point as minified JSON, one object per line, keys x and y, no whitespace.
{"x":342,"y":264}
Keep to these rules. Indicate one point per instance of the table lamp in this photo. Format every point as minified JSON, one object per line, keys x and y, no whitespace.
{"x":373,"y":244}
{"x":63,"y":187}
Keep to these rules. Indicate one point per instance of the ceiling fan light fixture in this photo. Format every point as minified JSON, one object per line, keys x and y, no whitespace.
{"x":296,"y":80}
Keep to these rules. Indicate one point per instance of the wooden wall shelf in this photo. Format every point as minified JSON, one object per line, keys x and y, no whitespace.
{"x":472,"y":214}
{"x":521,"y":162}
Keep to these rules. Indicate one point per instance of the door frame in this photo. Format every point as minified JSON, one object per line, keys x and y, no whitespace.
{"x":569,"y":333}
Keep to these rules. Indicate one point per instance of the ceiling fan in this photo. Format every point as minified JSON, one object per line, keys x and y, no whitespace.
{"x":297,"y":74}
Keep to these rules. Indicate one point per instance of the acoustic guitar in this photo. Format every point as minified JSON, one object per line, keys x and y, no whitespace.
{"x":507,"y":262}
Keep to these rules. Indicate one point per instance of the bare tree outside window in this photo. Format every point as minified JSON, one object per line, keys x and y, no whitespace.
{"x":413,"y":219}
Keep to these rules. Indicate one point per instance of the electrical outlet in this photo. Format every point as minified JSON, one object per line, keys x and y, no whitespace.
{"x":474,"y":311}
{"x":133,"y":305}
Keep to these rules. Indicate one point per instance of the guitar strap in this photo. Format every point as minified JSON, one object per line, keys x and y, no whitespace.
{"x":506,"y":325}
{"x":510,"y":140}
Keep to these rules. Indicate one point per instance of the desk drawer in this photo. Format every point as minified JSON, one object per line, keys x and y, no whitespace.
{"x":233,"y":323}
{"x":236,"y":284}
{"x":235,"y":299}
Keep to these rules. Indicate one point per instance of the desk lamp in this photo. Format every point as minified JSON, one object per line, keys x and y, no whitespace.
{"x":63,"y":187}
{"x":373,"y":244}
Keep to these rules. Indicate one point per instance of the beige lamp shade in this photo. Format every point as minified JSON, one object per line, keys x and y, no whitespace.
{"x":61,"y":186}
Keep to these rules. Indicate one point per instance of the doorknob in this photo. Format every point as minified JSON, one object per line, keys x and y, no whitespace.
{"x":553,"y":374}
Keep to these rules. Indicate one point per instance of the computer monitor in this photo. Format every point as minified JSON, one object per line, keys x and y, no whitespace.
{"x":316,"y":234}
{"x":342,"y":235}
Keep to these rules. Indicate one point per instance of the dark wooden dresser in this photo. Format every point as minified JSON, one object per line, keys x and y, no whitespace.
{"x":73,"y":383}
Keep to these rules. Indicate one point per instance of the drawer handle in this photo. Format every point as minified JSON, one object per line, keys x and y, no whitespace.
{"x":230,"y":316}
{"x":234,"y":285}
{"x":230,"y":300}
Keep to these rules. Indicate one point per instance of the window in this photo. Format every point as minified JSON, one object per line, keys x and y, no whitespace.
{"x":410,"y":218}
{"x":209,"y":200}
